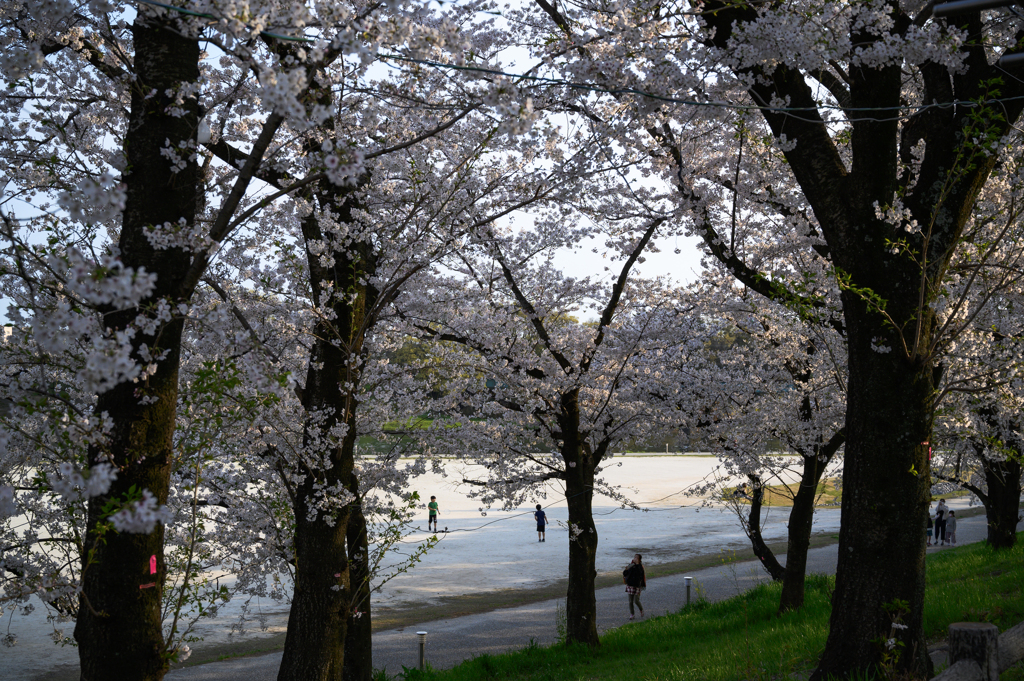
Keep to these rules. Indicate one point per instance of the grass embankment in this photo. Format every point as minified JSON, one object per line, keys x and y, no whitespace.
{"x":743,"y":638}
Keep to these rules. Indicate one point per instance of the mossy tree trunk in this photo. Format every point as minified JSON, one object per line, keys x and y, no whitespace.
{"x":119,"y":627}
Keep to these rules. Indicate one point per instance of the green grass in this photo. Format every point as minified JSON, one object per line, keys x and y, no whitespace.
{"x":742,"y":638}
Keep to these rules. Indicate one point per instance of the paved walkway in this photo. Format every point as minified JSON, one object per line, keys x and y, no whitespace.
{"x":453,"y":640}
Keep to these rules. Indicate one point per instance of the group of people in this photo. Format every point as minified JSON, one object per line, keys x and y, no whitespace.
{"x":634,"y":576}
{"x":943,"y":521}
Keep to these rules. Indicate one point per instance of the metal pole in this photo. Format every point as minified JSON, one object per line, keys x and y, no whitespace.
{"x":688,"y":580}
{"x":423,"y":650}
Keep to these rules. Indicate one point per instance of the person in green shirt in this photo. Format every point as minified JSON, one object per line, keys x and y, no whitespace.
{"x":434,"y":512}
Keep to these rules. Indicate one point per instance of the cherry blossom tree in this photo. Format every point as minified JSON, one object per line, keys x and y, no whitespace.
{"x":109,"y":111}
{"x":977,"y":444}
{"x":778,"y":382}
{"x":878,"y":125}
{"x":551,"y":397}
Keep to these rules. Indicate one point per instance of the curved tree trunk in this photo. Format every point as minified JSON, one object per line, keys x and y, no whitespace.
{"x":768,"y":560}
{"x":801,"y":517}
{"x":119,"y":627}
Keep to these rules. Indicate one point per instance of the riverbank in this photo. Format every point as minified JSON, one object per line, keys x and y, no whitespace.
{"x":474,"y":604}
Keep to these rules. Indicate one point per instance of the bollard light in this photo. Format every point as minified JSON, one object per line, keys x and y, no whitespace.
{"x":688,"y":580}
{"x":423,"y":650}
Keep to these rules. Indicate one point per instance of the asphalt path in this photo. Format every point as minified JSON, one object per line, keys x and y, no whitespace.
{"x":450,"y":641}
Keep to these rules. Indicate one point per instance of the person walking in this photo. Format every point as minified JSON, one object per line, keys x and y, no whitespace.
{"x":542,"y":519}
{"x":951,"y":528}
{"x":433,"y":512}
{"x":940,"y":522}
{"x":635,"y":578}
{"x":930,"y":524}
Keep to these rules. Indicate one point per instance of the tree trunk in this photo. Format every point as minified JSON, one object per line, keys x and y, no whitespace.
{"x":317,"y":634}
{"x":885,"y":500}
{"x":1002,"y":503}
{"x":768,"y":560}
{"x":359,"y":639}
{"x":314,"y":647}
{"x":580,"y":599}
{"x":119,"y":627}
{"x":801,"y":520}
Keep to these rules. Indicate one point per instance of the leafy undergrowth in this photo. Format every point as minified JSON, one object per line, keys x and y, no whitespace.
{"x":743,"y":639}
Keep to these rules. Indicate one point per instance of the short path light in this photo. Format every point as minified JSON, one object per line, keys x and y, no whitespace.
{"x":423,"y":650}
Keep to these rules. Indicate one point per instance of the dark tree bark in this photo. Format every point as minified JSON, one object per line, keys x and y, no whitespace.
{"x":1001,"y":496}
{"x":317,"y":622}
{"x":1002,"y":503}
{"x":580,"y":599}
{"x":119,"y":628}
{"x":359,"y":638}
{"x":768,"y":560}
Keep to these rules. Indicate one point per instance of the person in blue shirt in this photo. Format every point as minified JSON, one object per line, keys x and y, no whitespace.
{"x":542,"y":520}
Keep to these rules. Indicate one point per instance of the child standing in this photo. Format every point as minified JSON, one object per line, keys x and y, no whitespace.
{"x":951,"y":528}
{"x":542,"y":520}
{"x":433,"y":513}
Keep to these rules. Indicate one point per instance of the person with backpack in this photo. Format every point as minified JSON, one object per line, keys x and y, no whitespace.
{"x":635,"y":578}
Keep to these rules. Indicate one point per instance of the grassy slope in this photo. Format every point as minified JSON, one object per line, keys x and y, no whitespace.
{"x":742,"y":638}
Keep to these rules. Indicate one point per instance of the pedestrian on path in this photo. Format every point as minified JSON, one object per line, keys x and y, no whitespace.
{"x":951,"y":528}
{"x":635,"y":578}
{"x":433,"y":510}
{"x":930,"y":524}
{"x":940,"y":522}
{"x":542,"y":519}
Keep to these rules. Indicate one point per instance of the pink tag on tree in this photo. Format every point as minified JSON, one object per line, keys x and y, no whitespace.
{"x":152,"y":565}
